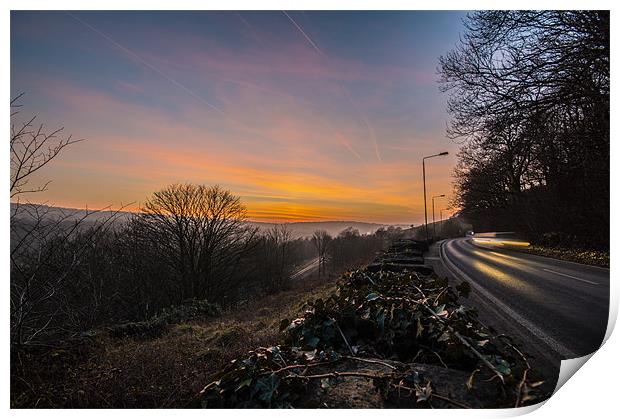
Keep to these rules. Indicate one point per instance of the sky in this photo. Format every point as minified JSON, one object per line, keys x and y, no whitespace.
{"x":307,"y":116}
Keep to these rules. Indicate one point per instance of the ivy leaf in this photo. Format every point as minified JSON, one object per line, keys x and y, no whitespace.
{"x":312,"y":342}
{"x":372,"y":296}
{"x":470,"y":380}
{"x":381,"y":320}
{"x":366,"y":314}
{"x":413,"y":377}
{"x":503,"y":367}
{"x":267,"y":387}
{"x":501,"y":364}
{"x":244,"y":383}
{"x":424,"y":393}
{"x":419,"y":330}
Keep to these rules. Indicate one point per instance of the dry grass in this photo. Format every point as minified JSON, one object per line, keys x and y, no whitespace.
{"x":164,"y":372}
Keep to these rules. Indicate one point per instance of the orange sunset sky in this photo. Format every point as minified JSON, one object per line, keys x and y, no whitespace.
{"x":306,"y":115}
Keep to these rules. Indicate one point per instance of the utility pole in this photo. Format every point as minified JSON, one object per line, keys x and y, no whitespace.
{"x":433,"y":201}
{"x":440,"y":222}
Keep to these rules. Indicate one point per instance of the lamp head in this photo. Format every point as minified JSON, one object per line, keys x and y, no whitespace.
{"x":445,"y":153}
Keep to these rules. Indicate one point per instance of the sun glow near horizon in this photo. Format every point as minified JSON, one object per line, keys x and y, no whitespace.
{"x":293,"y":118}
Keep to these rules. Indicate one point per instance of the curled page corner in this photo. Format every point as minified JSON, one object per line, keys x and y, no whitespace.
{"x":568,"y":367}
{"x":524,"y":410}
{"x":613,"y":312}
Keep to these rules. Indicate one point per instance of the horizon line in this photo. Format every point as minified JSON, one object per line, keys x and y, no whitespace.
{"x":248,"y":219}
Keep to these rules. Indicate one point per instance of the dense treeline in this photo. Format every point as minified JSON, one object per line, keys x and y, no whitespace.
{"x":529,"y":98}
{"x":188,"y":244}
{"x":63,"y":284}
{"x":350,"y":250}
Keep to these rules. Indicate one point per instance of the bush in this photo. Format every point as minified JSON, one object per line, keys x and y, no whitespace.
{"x":190,"y":309}
{"x":149,"y":329}
{"x":556,"y":239}
{"x":157,"y":325}
{"x":587,"y":257}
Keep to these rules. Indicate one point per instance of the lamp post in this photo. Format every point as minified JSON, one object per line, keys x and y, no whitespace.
{"x":445,"y":153}
{"x":433,"y":201}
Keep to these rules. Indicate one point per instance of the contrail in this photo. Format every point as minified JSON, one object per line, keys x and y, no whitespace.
{"x":251,"y":28}
{"x":369,"y":128}
{"x":371,"y":131}
{"x":147,"y":64}
{"x":351,"y":149}
{"x":316,"y":48}
{"x":374,"y":139}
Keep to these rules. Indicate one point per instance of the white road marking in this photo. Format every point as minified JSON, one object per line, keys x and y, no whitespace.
{"x":558,"y":347}
{"x":570,"y":276}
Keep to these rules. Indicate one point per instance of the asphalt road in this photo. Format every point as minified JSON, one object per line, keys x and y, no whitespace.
{"x":558,"y":309}
{"x":306,"y":269}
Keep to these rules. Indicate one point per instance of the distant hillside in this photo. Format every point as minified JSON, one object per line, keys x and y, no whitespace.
{"x":298,"y":229}
{"x":307,"y":228}
{"x":70,"y":214}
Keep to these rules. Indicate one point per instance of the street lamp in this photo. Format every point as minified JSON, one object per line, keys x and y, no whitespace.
{"x":433,"y":201}
{"x":445,"y":153}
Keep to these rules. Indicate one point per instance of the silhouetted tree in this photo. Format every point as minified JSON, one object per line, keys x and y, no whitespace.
{"x":41,"y":254}
{"x":321,"y":240}
{"x":529,"y":95}
{"x":277,"y":247}
{"x":32,"y":148}
{"x":200,"y":232}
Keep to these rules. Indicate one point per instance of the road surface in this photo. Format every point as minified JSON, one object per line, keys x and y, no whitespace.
{"x":558,"y":309}
{"x":306,"y":269}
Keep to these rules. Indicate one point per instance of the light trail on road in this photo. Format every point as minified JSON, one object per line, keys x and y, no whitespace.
{"x":306,"y":269}
{"x":562,"y":306}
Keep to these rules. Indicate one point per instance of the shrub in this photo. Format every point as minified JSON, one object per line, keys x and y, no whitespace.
{"x":189,"y":310}
{"x":149,"y":329}
{"x":157,"y":325}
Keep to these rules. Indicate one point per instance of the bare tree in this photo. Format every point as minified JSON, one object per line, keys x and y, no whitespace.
{"x":32,"y":148}
{"x":529,"y":97}
{"x":41,"y":257}
{"x":200,"y":232}
{"x":280,"y":236}
{"x":276,"y":257}
{"x":321,"y":240}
